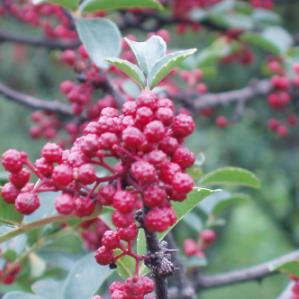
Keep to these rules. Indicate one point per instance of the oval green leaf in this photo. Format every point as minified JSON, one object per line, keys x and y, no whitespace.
{"x":21,"y":295}
{"x":162,"y":67}
{"x":85,"y":278}
{"x":101,"y":38}
{"x":95,"y":5}
{"x":149,"y":52}
{"x":132,"y":70}
{"x":68,"y":4}
{"x":8,"y":214}
{"x":231,"y":176}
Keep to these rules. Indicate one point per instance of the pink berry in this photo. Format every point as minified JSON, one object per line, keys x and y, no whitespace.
{"x":26,"y":203}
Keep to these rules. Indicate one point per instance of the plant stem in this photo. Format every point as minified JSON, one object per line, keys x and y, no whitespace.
{"x":153,"y":246}
{"x":23,"y":228}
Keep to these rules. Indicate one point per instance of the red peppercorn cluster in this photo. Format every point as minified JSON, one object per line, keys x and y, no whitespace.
{"x":146,"y":143}
{"x":279,"y":99}
{"x":51,"y":18}
{"x":266,"y":4}
{"x":9,"y":271}
{"x":206,"y":239}
{"x":295,"y":287}
{"x":132,"y":288}
{"x":92,"y":232}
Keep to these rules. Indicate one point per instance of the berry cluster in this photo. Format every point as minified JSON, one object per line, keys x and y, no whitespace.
{"x":145,"y":142}
{"x":51,"y":18}
{"x":92,"y":232}
{"x":132,"y":288}
{"x":279,"y":99}
{"x":295,"y":287}
{"x":206,"y":239}
{"x":9,"y":272}
{"x":266,"y":4}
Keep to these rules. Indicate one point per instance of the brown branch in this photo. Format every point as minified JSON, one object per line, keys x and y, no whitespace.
{"x":37,"y":41}
{"x":35,"y":103}
{"x":254,"y":89}
{"x":244,"y":275}
{"x":255,"y":273}
{"x":184,"y":287}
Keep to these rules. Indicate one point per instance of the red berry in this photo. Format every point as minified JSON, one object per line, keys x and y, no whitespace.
{"x":124,"y":201}
{"x":165,"y":115}
{"x":183,"y":125}
{"x":121,"y":219}
{"x":221,"y":122}
{"x":128,"y":233}
{"x":157,"y":158}
{"x":9,"y":193}
{"x":190,"y":247}
{"x":64,"y":204}
{"x":12,"y":160}
{"x":143,"y":116}
{"x":168,"y":145}
{"x":183,"y":157}
{"x":154,"y":196}
{"x":147,"y":284}
{"x":148,"y":99}
{"x":104,"y":256}
{"x":132,"y":138}
{"x":168,"y":171}
{"x":273,"y":124}
{"x":208,"y":236}
{"x":154,"y":131}
{"x":52,"y":152}
{"x":87,"y":174}
{"x":62,"y":175}
{"x":159,"y":219}
{"x":68,"y":57}
{"x":66,"y":86}
{"x":26,"y":203}
{"x":105,"y":194}
{"x":110,"y":239}
{"x":84,"y":206}
{"x":20,"y":179}
{"x":182,"y":182}
{"x":143,"y":172}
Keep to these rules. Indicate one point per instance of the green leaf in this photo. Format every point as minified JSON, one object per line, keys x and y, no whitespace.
{"x":37,"y":265}
{"x":95,"y":5}
{"x":85,"y":278}
{"x":162,"y":67}
{"x":68,"y":4}
{"x":227,"y":202}
{"x":21,"y":295}
{"x":141,"y":243}
{"x":8,"y":214}
{"x":185,"y":207}
{"x":101,"y":38}
{"x":48,"y":288}
{"x":287,"y":265}
{"x":232,"y":20}
{"x":231,"y":176}
{"x":126,"y":265}
{"x":132,"y":70}
{"x":265,"y":17}
{"x":274,"y":39}
{"x":3,"y":178}
{"x":65,"y":242}
{"x":10,"y":255}
{"x":149,"y":52}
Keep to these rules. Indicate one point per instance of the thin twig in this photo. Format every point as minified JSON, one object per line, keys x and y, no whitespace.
{"x":252,"y":273}
{"x":37,"y":41}
{"x":185,"y":288}
{"x":35,"y":103}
